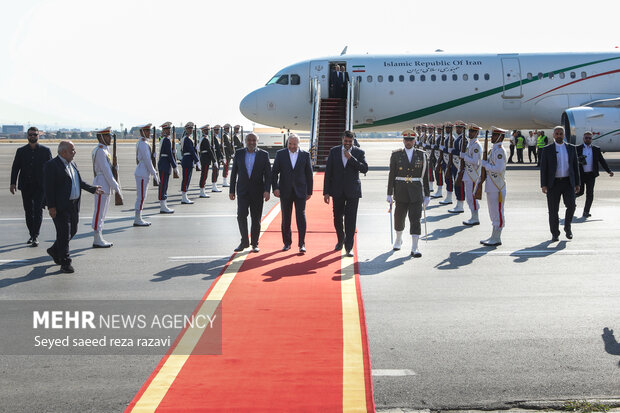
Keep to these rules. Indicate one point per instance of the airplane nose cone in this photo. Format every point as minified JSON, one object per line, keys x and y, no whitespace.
{"x":248,"y":106}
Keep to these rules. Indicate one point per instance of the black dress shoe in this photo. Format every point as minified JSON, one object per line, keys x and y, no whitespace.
{"x":286,"y":247}
{"x":50,"y":252}
{"x":68,"y":269}
{"x":569,"y":233}
{"x":555,"y":238}
{"x":29,"y":241}
{"x":586,"y":216}
{"x":349,"y":253}
{"x":338,"y":246}
{"x":241,"y":247}
{"x":35,"y":242}
{"x":302,"y":249}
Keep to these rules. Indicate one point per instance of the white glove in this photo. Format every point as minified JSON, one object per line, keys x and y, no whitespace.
{"x":389,"y":199}
{"x":176,"y":170}
{"x":156,"y":179}
{"x":427,"y":200}
{"x":462,"y":155}
{"x":484,"y":163}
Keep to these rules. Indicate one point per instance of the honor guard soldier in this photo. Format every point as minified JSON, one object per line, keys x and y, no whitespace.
{"x":188,"y":161}
{"x":447,"y":163}
{"x":237,"y":137}
{"x":408,"y":187}
{"x":143,"y":172}
{"x":456,"y":166}
{"x":433,"y":133}
{"x":102,"y":169}
{"x":471,"y":157}
{"x":495,"y":186}
{"x":167,"y":162}
{"x":206,"y":158}
{"x":229,"y":152}
{"x":428,"y":148}
{"x":219,"y":157}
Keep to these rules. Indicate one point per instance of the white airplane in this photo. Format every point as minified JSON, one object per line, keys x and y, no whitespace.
{"x":516,"y":91}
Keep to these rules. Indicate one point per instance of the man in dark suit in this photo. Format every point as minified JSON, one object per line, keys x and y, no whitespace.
{"x":63,"y":186}
{"x":342,"y":183}
{"x":250,"y":180}
{"x":343,"y":78}
{"x":291,"y":180}
{"x":589,"y":158}
{"x":28,"y":165}
{"x":334,"y":83}
{"x":559,"y":177}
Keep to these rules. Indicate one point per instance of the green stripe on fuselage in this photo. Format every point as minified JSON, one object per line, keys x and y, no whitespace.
{"x":468,"y":99}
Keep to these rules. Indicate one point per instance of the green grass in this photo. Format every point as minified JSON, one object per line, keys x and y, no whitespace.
{"x":583,"y":406}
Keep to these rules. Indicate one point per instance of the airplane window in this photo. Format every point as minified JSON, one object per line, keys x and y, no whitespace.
{"x":295,"y":79}
{"x":444,"y":77}
{"x":422,"y":78}
{"x":433,"y":78}
{"x":283,"y":80}
{"x":369,"y":78}
{"x":465,"y":77}
{"x":390,"y":78}
{"x":455,"y":77}
{"x":584,"y":75}
{"x":562,"y":75}
{"x":487,"y":77}
{"x":551,"y":75}
{"x":530,"y":76}
{"x":401,"y":78}
{"x":380,"y":78}
{"x":412,"y":78}
{"x":476,"y":77}
{"x":273,"y":80}
{"x":572,"y":75}
{"x":540,"y":75}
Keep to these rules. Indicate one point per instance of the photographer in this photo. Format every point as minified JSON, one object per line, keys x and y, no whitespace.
{"x":589,"y":158}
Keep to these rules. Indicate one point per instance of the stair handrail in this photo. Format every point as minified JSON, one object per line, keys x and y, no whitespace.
{"x":314,"y":126}
{"x":349,"y":106}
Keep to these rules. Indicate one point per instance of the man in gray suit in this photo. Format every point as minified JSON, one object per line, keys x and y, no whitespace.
{"x":559,"y":177}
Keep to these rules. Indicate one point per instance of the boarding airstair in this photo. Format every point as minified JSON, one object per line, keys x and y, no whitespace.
{"x":330,"y":117}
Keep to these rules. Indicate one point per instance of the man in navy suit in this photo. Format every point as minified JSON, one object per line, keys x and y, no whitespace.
{"x":250,"y":180}
{"x":559,"y":177}
{"x":291,"y":180}
{"x":63,"y":185}
{"x":589,"y":158}
{"x":342,"y":183}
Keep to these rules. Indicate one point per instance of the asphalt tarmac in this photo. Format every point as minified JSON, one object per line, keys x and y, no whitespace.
{"x":463,"y":327}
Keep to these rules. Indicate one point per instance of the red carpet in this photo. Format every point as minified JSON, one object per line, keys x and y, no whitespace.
{"x":283,"y":346}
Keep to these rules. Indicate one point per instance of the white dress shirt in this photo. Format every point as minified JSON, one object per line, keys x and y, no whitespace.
{"x":587,"y":152}
{"x":75,"y":182}
{"x":561,"y":170}
{"x":293,"y":156}
{"x":409,"y":153}
{"x":344,"y":158}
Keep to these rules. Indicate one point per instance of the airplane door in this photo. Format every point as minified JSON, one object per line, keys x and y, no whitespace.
{"x":320,"y":69}
{"x":512,"y":78}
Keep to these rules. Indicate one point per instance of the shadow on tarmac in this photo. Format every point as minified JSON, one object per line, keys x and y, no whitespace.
{"x":381,"y":264}
{"x":542,"y":251}
{"x":211,"y":269}
{"x":36,"y":272}
{"x":611,"y":344}
{"x":460,"y":259}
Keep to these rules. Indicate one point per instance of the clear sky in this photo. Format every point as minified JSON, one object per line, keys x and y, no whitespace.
{"x":90,"y":64}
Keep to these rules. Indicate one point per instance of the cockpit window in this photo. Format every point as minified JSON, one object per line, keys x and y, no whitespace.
{"x":295,"y":79}
{"x":279,"y":79}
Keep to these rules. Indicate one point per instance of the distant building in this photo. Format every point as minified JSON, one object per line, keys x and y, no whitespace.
{"x":10,"y":129}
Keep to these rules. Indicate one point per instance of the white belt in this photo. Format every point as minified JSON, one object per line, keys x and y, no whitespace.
{"x":186,"y":153}
{"x":407,"y":179}
{"x":161,"y":155}
{"x":205,"y":151}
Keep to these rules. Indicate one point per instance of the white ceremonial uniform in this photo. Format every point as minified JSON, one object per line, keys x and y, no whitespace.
{"x":495,"y":185}
{"x":102,"y":168}
{"x":471,"y":157}
{"x":143,"y":172}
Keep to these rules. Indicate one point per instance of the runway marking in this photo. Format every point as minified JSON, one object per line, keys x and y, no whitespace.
{"x":535,"y":252}
{"x":198,"y":257}
{"x":353,"y":380}
{"x":392,"y":372}
{"x":159,"y":386}
{"x":11,"y":262}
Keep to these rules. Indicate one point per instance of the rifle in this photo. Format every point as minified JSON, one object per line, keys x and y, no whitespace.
{"x":174,"y":154}
{"x":196,"y":148}
{"x":483,"y":172}
{"x":450,"y":144}
{"x":459,"y":178}
{"x":153,"y":150}
{"x":440,"y":159}
{"x":118,"y":199}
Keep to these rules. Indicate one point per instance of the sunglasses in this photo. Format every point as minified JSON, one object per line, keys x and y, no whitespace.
{"x":33,"y":134}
